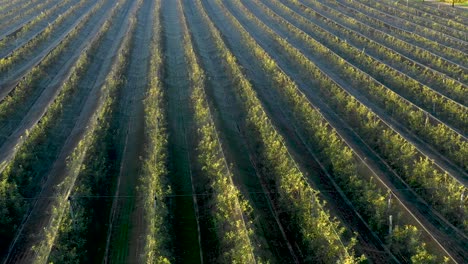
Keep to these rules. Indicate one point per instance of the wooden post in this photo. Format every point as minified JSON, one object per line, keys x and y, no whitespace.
{"x":390,"y":227}
{"x":389,"y":202}
{"x":72,"y":214}
{"x":462,"y":197}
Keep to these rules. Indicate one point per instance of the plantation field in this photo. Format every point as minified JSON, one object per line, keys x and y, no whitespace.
{"x":233,"y":131}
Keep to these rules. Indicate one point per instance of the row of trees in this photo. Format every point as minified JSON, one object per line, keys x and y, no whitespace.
{"x":446,"y":26}
{"x":415,"y":47}
{"x":434,"y":132}
{"x":39,"y":23}
{"x":369,"y":199}
{"x":31,"y":86}
{"x":228,"y":205}
{"x":438,"y":188}
{"x":321,"y":235}
{"x":91,"y":169}
{"x":35,"y":155}
{"x":23,"y":55}
{"x":8,"y":6}
{"x":66,"y":237}
{"x":428,"y":40}
{"x":436,"y":80}
{"x":154,"y":173}
{"x":447,"y":14}
{"x":13,"y":13}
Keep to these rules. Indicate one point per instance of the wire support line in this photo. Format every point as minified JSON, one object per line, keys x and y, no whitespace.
{"x":189,"y":195}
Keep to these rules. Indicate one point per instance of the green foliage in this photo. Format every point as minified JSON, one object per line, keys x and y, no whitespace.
{"x":27,"y":8}
{"x":228,"y":215}
{"x":69,"y":240}
{"x":388,"y":36}
{"x":94,"y":150}
{"x":399,"y":153}
{"x":21,"y":175}
{"x":154,"y":166}
{"x":320,"y":232}
{"x":357,"y":67}
{"x":24,"y":53}
{"x":405,"y":241}
{"x":37,"y":20}
{"x":401,"y":11}
{"x":371,"y":202}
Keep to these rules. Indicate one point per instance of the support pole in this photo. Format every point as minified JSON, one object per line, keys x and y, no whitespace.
{"x":390,"y":226}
